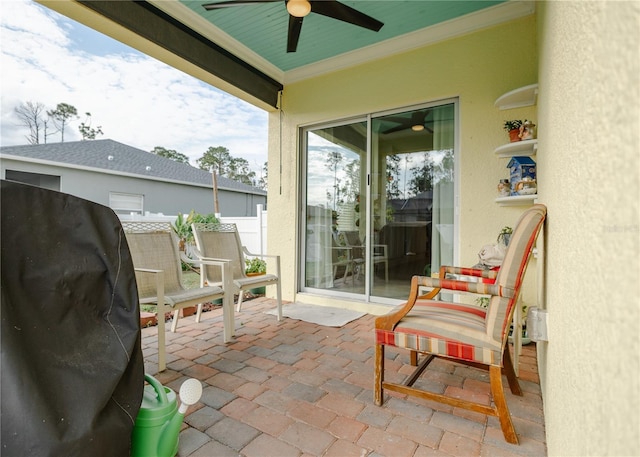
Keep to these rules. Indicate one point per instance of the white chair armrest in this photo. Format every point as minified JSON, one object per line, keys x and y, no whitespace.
{"x":264,"y":256}
{"x":159,"y":274}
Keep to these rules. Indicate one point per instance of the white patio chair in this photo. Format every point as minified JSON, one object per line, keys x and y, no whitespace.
{"x":215,"y":241}
{"x":352,"y":238}
{"x":158,"y":270}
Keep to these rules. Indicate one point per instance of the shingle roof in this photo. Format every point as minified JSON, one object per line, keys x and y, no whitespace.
{"x":120,"y":158}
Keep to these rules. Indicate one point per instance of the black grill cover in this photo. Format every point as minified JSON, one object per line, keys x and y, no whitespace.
{"x":72,"y":368}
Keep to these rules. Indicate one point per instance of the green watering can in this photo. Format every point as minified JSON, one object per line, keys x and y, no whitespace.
{"x":157,"y":426}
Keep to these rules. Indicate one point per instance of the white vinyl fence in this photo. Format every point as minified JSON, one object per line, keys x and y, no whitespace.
{"x":252,"y":230}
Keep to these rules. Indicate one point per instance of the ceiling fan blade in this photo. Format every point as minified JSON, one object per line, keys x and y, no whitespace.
{"x":396,"y":129}
{"x":342,"y":12}
{"x":295,"y":26}
{"x":231,"y":3}
{"x":398,"y":119}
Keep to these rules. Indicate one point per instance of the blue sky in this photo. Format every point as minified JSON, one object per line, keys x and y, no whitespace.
{"x":137,"y":100}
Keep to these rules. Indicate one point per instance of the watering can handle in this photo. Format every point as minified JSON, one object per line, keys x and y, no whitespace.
{"x":159,"y":388}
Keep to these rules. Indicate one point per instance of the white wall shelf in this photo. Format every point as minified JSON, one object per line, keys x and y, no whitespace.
{"x":517,"y":200}
{"x":518,"y":98}
{"x":524,"y":148}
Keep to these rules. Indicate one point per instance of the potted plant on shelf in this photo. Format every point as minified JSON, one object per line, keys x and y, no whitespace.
{"x":513,"y":128}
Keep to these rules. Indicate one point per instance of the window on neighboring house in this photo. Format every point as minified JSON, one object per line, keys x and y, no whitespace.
{"x":126,"y":203}
{"x":50,"y":182}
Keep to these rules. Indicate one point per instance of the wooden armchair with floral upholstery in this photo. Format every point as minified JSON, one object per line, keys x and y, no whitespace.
{"x":460,"y":332}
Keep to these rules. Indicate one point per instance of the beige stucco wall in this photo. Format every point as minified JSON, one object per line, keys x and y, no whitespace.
{"x":589,"y":179}
{"x":471,"y":67}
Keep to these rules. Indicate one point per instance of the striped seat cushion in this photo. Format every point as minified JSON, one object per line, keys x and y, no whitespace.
{"x":446,"y":329}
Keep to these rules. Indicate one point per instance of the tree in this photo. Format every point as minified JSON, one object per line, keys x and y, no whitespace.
{"x":393,"y":176}
{"x":239,"y":171}
{"x":170,"y":154}
{"x":443,"y":171}
{"x":352,"y":186}
{"x":87,"y":132}
{"x":215,"y":159}
{"x":422,"y":179}
{"x":333,"y":159}
{"x":30,"y":116}
{"x":61,"y":116}
{"x":263,"y":181}
{"x":219,"y":162}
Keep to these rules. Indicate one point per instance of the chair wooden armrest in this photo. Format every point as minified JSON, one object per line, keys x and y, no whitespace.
{"x":464,"y":286}
{"x":477,"y":272}
{"x":390,"y":320}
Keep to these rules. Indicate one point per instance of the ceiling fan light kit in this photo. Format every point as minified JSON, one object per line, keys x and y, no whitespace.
{"x":298,"y":8}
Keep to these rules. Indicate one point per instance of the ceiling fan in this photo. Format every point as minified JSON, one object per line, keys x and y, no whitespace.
{"x":298,"y":9}
{"x":416,"y":122}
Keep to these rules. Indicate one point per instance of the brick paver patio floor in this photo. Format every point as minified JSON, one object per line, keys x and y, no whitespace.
{"x":292,"y":388}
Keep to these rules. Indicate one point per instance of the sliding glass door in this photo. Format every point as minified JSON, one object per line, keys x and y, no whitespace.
{"x":378,"y":199}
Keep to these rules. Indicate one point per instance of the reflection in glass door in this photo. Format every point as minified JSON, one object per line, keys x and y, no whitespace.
{"x":335,"y":208}
{"x":412,"y":195}
{"x":403,"y":177}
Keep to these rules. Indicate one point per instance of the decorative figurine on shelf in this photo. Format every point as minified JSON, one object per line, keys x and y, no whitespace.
{"x":527,"y":130}
{"x":527,"y":186}
{"x":504,"y":188}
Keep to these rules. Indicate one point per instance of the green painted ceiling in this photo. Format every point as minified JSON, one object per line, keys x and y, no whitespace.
{"x":262,"y":28}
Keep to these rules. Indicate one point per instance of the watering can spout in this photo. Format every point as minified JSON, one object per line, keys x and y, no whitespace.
{"x":168,"y":444}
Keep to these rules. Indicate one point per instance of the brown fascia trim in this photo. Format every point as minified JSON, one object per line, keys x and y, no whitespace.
{"x":155,"y":25}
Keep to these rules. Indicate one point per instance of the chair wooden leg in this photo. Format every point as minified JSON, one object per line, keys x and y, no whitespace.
{"x":413,"y":358}
{"x":378,"y":376}
{"x":509,"y":371}
{"x":495,"y":376}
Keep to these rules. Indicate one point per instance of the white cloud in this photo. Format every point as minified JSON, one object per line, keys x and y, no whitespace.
{"x":136,"y":100}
